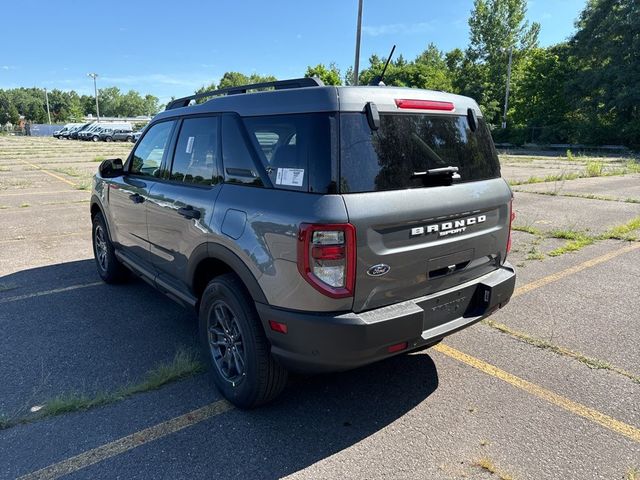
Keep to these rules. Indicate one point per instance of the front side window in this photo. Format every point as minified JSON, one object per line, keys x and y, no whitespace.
{"x":147,"y":157}
{"x":196,"y":151}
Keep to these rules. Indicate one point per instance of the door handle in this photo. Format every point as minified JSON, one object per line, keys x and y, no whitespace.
{"x":136,"y":198}
{"x":189,"y":212}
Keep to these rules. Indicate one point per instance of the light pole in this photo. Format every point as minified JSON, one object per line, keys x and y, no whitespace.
{"x":356,"y":66}
{"x":46,"y":97}
{"x":506,"y":94}
{"x":95,"y":89}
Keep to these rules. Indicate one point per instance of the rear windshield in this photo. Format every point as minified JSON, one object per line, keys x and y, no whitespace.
{"x":406,"y":144}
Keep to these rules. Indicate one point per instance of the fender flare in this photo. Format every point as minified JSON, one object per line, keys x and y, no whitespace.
{"x":219,"y":252}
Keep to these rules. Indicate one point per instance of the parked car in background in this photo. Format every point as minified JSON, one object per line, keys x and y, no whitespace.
{"x":122,"y":135}
{"x":74,"y":134}
{"x":64,"y":131}
{"x":136,"y":136}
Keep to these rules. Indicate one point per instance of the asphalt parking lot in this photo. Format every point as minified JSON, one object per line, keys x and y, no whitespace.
{"x":548,"y":388}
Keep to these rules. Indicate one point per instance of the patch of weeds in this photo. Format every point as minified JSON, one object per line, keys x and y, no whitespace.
{"x":100,"y":158}
{"x":593,"y":363}
{"x":184,"y":364}
{"x":570,"y":156}
{"x":633,"y":474}
{"x":83,"y":185}
{"x":488,"y":466}
{"x":632,"y":166}
{"x":594,"y":168}
{"x":5,"y":169}
{"x":527,"y":229}
{"x":535,"y":254}
{"x":70,"y":171}
{"x":577,"y":241}
{"x":3,"y":207}
{"x":623,"y":232}
{"x":25,"y":205}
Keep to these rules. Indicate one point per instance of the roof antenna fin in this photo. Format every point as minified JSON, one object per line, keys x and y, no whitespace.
{"x":377,"y":80}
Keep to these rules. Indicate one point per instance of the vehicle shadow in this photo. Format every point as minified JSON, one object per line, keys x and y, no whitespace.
{"x":112,"y":334}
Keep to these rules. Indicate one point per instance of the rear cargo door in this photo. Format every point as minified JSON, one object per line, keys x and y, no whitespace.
{"x":419,"y":228}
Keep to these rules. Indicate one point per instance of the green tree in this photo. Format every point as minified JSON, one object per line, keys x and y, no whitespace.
{"x":330,"y":75}
{"x":606,"y":50}
{"x":495,"y":27}
{"x":8,"y":111}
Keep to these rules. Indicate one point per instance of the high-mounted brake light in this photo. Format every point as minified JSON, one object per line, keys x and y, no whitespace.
{"x":425,"y":104}
{"x":327,"y":257}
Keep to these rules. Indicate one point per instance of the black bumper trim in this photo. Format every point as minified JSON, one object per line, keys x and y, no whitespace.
{"x":323,"y":342}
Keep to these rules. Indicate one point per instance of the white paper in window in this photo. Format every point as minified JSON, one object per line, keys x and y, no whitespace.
{"x":290,"y":176}
{"x":190,"y":144}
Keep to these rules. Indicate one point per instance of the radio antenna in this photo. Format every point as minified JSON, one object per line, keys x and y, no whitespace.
{"x":377,"y":80}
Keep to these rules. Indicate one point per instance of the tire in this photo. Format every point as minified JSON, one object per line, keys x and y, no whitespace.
{"x":108,"y":139}
{"x":95,"y":138}
{"x":242,"y":343}
{"x":130,"y":139}
{"x":109,"y":267}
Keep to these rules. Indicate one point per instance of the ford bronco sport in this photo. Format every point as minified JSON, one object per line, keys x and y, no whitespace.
{"x":313,"y":228}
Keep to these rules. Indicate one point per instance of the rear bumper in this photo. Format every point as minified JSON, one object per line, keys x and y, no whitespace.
{"x":319,"y":342}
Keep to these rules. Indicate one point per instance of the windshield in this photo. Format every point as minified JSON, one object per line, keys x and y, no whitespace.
{"x":407,"y":146}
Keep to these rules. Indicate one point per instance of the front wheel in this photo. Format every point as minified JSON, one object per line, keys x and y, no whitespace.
{"x":109,"y":267}
{"x":108,"y":139}
{"x":244,"y":370}
{"x":95,"y":138}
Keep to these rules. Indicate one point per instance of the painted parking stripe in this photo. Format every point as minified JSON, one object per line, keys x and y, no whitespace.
{"x":574,"y":407}
{"x":124,"y":444}
{"x":49,"y":292}
{"x":51,"y":174}
{"x":575,"y":269}
{"x":57,"y":192}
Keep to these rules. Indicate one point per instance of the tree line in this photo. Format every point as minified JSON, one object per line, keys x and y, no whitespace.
{"x":69,"y":106}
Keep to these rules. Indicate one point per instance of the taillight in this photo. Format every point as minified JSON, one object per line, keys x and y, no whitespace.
{"x":512,"y":216}
{"x":424,"y":104}
{"x":327,"y":257}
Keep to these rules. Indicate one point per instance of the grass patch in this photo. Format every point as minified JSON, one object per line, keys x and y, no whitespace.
{"x":184,"y":364}
{"x":70,"y":171}
{"x":593,"y":363}
{"x":24,"y":205}
{"x":589,"y":196}
{"x":633,"y":474}
{"x":488,"y":466}
{"x":100,"y":158}
{"x":535,"y":254}
{"x":623,"y":232}
{"x":527,"y":229}
{"x":595,"y":168}
{"x":577,"y":241}
{"x":84,"y":185}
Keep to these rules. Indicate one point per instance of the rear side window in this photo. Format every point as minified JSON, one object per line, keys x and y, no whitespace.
{"x":406,"y":144}
{"x":298,"y":152}
{"x":237,"y":155}
{"x":196,"y":152}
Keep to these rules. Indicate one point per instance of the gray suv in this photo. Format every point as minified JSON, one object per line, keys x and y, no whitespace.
{"x":312,"y":228}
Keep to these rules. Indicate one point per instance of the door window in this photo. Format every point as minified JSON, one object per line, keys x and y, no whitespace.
{"x":147,"y":157}
{"x":196,"y":152}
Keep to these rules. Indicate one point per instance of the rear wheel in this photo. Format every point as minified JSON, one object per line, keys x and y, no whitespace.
{"x":109,"y":267}
{"x":243,"y":368}
{"x":108,"y":139}
{"x":129,"y":138}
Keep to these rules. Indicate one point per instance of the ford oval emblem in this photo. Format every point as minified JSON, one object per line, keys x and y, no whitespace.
{"x":378,"y":270}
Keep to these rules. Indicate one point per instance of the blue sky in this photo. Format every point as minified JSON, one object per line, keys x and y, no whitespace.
{"x":172,"y":48}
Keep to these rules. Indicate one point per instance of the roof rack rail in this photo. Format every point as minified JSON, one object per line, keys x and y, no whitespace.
{"x":277,"y":85}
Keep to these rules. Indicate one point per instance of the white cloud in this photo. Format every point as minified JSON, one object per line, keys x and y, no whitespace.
{"x":8,"y":67}
{"x":397,"y":28}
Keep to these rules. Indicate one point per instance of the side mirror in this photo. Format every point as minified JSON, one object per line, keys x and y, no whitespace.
{"x":111,"y":168}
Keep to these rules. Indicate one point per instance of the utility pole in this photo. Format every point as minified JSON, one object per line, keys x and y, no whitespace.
{"x":46,"y":97}
{"x":506,"y":95}
{"x":95,"y":89}
{"x":356,"y":66}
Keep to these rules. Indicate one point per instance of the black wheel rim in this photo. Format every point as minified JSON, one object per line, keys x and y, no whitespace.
{"x":100,"y":242}
{"x":225,"y":342}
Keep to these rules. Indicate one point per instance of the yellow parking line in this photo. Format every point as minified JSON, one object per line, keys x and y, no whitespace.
{"x":49,"y":292}
{"x":575,"y":269}
{"x":574,"y":407}
{"x":111,"y":449}
{"x":68,"y":182}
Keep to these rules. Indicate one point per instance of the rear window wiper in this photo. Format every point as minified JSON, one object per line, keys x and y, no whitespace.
{"x":432,"y":172}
